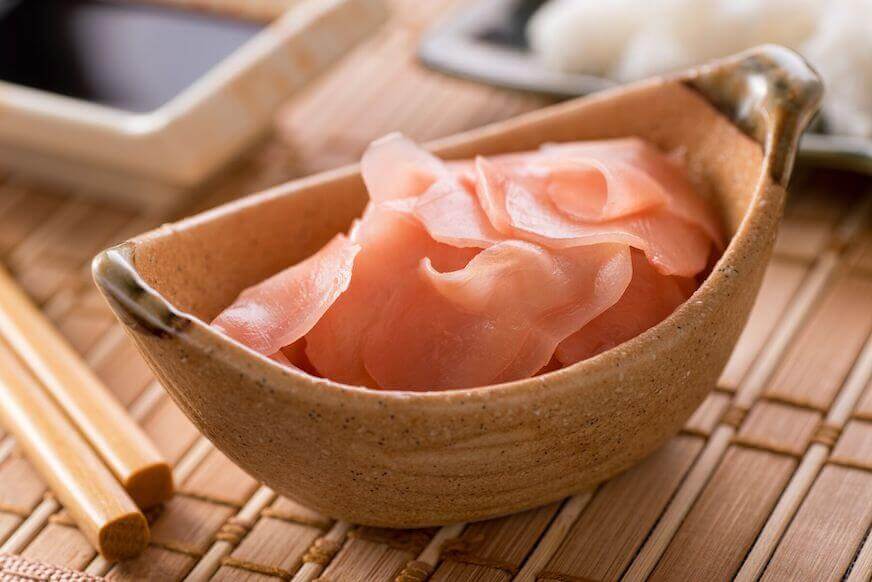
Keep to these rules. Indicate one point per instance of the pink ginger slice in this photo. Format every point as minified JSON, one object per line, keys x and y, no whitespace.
{"x":393,"y":243}
{"x":633,"y":162}
{"x":451,"y":213}
{"x":673,"y":245}
{"x":498,"y":319}
{"x":282,"y":309}
{"x":395,"y":167}
{"x":650,"y":298}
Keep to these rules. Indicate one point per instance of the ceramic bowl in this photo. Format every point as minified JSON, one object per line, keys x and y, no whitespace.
{"x":405,"y":459}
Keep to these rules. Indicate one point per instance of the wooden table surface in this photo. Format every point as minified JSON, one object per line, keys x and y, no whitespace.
{"x":771,"y":476}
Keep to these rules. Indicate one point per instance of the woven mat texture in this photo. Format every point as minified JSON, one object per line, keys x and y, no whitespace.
{"x":771,"y":477}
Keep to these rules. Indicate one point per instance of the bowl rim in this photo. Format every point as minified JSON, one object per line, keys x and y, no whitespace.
{"x":774,"y":113}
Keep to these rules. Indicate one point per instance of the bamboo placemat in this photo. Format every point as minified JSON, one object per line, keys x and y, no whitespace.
{"x":771,"y":477}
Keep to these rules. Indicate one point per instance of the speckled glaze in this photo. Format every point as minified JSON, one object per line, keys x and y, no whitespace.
{"x":405,"y":459}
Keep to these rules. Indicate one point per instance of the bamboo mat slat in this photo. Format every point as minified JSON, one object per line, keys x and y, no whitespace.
{"x":815,"y":367}
{"x":864,"y":408}
{"x":188,"y":524}
{"x":372,"y":554}
{"x":735,"y":504}
{"x":60,"y":545}
{"x":24,"y":214}
{"x":854,"y":448}
{"x":24,"y":490}
{"x":276,"y":545}
{"x":781,"y":281}
{"x":771,"y":476}
{"x":821,"y":541}
{"x":778,"y":428}
{"x":615,"y":523}
{"x":704,"y":420}
{"x":498,"y":546}
{"x":170,"y":430}
{"x":861,"y":256}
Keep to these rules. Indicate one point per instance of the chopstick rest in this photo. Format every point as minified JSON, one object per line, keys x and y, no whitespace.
{"x":88,"y":491}
{"x":103,"y":422}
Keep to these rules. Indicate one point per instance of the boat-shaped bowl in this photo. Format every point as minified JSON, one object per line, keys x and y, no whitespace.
{"x":404,"y":459}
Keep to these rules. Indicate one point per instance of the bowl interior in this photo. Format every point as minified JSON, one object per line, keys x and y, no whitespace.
{"x":200,"y":264}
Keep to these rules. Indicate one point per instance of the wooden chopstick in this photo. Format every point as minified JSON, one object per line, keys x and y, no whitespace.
{"x":88,"y":491}
{"x":103,"y":422}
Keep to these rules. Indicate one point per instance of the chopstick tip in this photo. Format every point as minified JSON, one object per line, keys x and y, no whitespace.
{"x":151,"y":485}
{"x":124,"y":537}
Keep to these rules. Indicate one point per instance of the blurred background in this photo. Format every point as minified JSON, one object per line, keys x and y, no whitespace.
{"x":107,"y":108}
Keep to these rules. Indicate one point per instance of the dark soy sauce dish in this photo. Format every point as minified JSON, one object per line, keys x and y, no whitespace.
{"x":127,"y":55}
